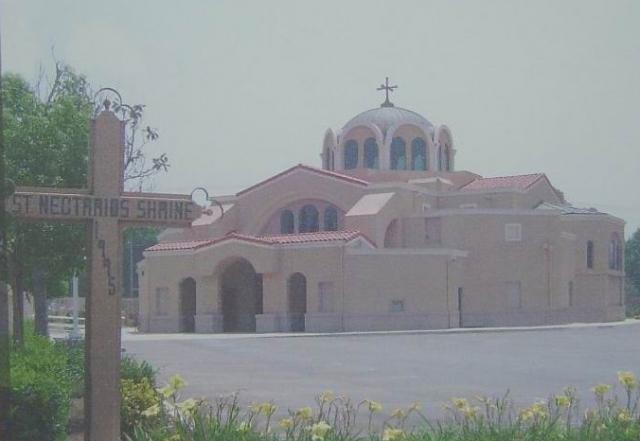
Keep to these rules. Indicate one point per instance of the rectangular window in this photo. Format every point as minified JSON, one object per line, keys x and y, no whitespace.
{"x":325,"y":296}
{"x":513,"y":232}
{"x":162,"y":300}
{"x":397,"y":305}
{"x":514,"y":294}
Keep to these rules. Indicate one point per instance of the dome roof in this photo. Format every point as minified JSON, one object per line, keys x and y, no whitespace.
{"x":386,"y":117}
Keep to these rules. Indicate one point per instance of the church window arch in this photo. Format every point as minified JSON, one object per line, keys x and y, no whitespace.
{"x":330,"y":218}
{"x":371,"y":154}
{"x":350,"y":154}
{"x":287,"y":225}
{"x":309,"y":219}
{"x":590,"y":254}
{"x":326,"y":159}
{"x":419,"y":154}
{"x":615,"y":252}
{"x":398,"y":154}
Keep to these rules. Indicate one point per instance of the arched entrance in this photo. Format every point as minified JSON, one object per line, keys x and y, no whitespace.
{"x":241,"y":289}
{"x":188,"y":305}
{"x":297,"y":297}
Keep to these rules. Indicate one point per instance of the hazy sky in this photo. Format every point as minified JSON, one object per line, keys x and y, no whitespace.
{"x":241,"y":90}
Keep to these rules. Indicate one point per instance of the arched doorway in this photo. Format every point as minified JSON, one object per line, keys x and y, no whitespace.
{"x":297,"y":297}
{"x":241,"y":289}
{"x":188,"y":305}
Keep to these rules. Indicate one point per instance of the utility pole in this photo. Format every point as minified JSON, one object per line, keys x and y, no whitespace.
{"x":4,"y":291}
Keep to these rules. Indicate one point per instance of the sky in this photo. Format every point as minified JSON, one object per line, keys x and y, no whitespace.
{"x":241,"y":90}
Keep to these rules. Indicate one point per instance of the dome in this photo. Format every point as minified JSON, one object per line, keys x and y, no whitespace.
{"x":386,"y":117}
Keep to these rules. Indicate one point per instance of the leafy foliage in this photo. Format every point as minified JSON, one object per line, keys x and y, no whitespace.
{"x":632,"y":260}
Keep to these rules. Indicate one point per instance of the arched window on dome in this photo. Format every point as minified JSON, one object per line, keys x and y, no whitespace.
{"x":418,"y":154}
{"x":444,"y":158}
{"x":287,"y":225}
{"x":330,"y":218}
{"x":326,"y":159}
{"x":332,"y":161}
{"x":398,"y":154}
{"x":350,"y":154}
{"x":371,"y":159}
{"x":309,"y":219}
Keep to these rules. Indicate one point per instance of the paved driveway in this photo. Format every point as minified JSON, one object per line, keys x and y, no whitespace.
{"x":395,"y":369}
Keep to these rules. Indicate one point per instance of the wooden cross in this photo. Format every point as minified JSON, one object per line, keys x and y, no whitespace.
{"x":107,"y":210}
{"x":387,"y":89}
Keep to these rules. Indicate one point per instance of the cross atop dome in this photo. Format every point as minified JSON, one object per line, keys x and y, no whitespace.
{"x":387,"y":89}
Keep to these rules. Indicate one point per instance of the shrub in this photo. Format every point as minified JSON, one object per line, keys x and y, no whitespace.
{"x":137,"y":397}
{"x":137,"y":371}
{"x":40,"y":390}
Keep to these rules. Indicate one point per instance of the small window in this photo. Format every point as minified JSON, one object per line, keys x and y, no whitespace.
{"x":514,"y":294}
{"x":162,"y":300}
{"x":326,"y":159}
{"x":309,"y":219}
{"x":371,"y":154}
{"x":325,"y":296}
{"x":615,"y":252}
{"x":286,"y":222}
{"x":398,"y":154}
{"x":513,"y":232}
{"x":350,"y":155}
{"x":397,"y":305}
{"x":590,"y":254}
{"x":330,"y":219}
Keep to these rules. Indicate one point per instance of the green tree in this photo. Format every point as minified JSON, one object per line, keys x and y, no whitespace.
{"x":632,"y":261}
{"x":47,"y":138}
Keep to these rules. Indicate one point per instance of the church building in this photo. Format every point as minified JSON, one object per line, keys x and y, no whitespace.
{"x":386,"y":235}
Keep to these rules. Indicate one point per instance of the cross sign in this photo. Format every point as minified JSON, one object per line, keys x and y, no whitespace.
{"x":387,"y":89}
{"x":106,"y":209}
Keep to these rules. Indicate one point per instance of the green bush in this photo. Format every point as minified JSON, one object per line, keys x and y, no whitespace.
{"x":137,"y":371}
{"x":41,"y":384}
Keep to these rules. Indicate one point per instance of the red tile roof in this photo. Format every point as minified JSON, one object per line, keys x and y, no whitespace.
{"x":285,"y":239}
{"x":520,"y":181}
{"x":320,"y":171}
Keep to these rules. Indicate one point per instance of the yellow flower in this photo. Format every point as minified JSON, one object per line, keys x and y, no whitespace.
{"x":268,"y":408}
{"x":416,"y":405}
{"x":390,"y":434}
{"x":627,"y":379}
{"x":167,"y":391}
{"x":188,"y":406}
{"x":536,"y":410}
{"x":255,"y":408}
{"x":286,"y":423}
{"x":327,"y":396}
{"x":460,"y":403}
{"x":601,"y":389}
{"x":469,"y":412}
{"x":526,"y":414}
{"x":177,"y":382}
{"x":306,"y":413}
{"x":398,"y":413}
{"x":624,"y":416}
{"x":373,"y":406}
{"x":319,"y":431}
{"x":244,"y":426}
{"x":562,"y":401}
{"x":152,"y":411}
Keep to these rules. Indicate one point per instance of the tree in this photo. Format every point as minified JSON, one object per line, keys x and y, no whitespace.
{"x":632,"y":261}
{"x":47,"y":137}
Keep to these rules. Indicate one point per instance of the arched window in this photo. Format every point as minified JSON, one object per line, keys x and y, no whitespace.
{"x":418,"y":154}
{"x":590,"y":254}
{"x":350,"y":154}
{"x":371,"y":153}
{"x":446,"y":160}
{"x":398,"y":154}
{"x":286,"y":222}
{"x":332,"y":163}
{"x":330,"y":219}
{"x":309,"y":219}
{"x":326,"y":159}
{"x":615,"y":252}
